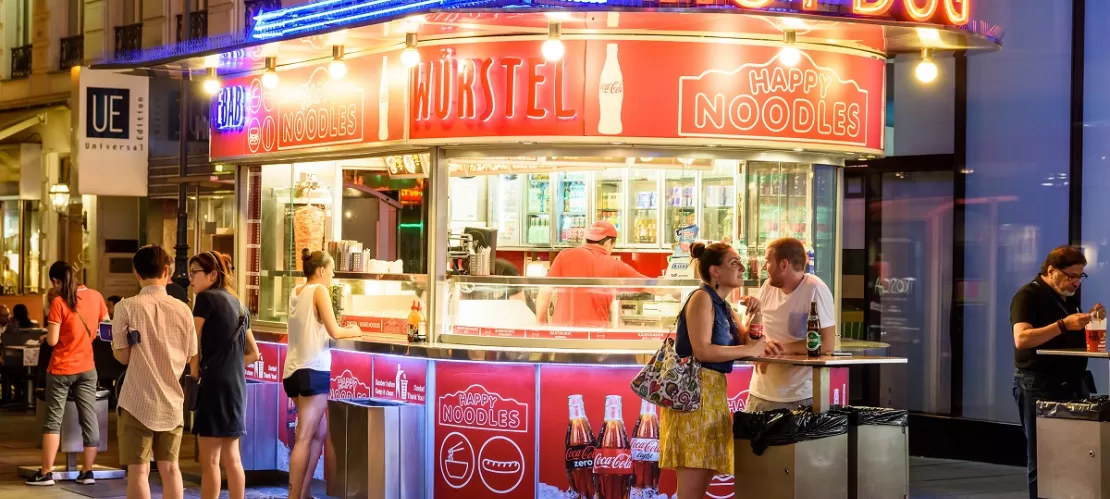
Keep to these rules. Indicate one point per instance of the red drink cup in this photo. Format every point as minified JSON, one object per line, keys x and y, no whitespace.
{"x":1095,"y":338}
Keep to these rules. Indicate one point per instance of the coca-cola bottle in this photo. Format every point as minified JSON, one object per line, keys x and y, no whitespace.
{"x":645,"y":449}
{"x":613,"y":461}
{"x":580,"y":449}
{"x":611,"y":94}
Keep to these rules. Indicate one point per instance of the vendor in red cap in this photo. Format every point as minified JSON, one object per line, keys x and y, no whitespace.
{"x":585,"y":306}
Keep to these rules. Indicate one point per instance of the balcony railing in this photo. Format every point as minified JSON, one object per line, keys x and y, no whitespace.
{"x":256,"y":7}
{"x":73,"y":52}
{"x":129,"y":38}
{"x":21,"y":61}
{"x":198,"y":26}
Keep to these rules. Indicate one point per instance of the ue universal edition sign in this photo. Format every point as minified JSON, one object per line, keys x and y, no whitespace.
{"x":112,"y":133}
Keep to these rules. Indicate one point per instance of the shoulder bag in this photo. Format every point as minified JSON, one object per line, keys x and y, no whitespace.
{"x":668,"y":380}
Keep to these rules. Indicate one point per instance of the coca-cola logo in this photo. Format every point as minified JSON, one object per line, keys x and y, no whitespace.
{"x":645,"y":449}
{"x":613,"y":87}
{"x":609,"y":461}
{"x":580,"y":456}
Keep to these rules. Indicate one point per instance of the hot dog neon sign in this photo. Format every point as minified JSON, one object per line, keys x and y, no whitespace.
{"x":951,"y":12}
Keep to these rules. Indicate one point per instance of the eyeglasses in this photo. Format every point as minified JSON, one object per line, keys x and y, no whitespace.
{"x":193,"y":273}
{"x":1082,"y":276}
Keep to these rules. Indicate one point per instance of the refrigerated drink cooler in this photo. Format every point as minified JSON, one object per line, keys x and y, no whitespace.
{"x":378,"y":449}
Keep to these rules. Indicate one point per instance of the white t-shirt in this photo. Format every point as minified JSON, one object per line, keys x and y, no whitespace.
{"x":784,"y":320}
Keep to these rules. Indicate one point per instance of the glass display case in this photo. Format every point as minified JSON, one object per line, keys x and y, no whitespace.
{"x":538,"y":209}
{"x":622,"y":313}
{"x":572,"y":208}
{"x":506,"y":203}
{"x":679,"y":187}
{"x":643,"y":201}
{"x":609,"y":199}
{"x":352,"y":210}
{"x":720,"y":202}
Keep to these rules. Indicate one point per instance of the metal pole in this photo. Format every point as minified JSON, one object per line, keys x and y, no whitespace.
{"x":181,"y":259}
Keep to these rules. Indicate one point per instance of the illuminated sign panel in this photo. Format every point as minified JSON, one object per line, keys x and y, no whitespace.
{"x":953,"y":12}
{"x":230,"y":108}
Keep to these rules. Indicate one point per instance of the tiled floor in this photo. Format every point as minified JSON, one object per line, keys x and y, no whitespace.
{"x":930,"y":478}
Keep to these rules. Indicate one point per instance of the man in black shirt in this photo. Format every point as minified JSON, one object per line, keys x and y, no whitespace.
{"x":1046,"y":314}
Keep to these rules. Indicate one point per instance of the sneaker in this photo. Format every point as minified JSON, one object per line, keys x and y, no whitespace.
{"x":86,"y":478}
{"x":41,"y":480}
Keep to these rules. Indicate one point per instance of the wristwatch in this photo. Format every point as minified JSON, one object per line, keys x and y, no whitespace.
{"x":1060,"y":325}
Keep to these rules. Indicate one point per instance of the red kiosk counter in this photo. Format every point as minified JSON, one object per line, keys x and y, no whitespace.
{"x":384,"y":131}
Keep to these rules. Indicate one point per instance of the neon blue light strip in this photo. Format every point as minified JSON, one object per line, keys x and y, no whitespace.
{"x":284,"y":12}
{"x":346,"y":20}
{"x":325,"y":13}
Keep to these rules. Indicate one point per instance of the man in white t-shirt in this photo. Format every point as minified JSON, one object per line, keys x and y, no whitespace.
{"x":785,"y":302}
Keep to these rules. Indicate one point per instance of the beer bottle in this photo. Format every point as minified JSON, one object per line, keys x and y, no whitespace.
{"x":813,"y":332}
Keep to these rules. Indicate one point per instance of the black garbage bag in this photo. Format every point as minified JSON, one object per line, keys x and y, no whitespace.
{"x":785,"y":427}
{"x":874,"y":416}
{"x":1096,"y":408}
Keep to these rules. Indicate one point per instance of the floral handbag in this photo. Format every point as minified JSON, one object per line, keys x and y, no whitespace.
{"x":670,"y":381}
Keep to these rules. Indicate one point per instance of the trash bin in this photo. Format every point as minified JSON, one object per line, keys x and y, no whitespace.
{"x":378,"y":448}
{"x":791,"y":454}
{"x":878,"y":452}
{"x":1073,"y":448}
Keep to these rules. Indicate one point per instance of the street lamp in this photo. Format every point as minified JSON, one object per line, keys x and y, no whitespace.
{"x":59,"y":198}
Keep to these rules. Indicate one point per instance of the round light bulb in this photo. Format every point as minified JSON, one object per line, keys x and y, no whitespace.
{"x":270,"y":79}
{"x":553,"y":49}
{"x":926,"y":71}
{"x":211,"y":86}
{"x":337,"y":69}
{"x":410,"y":57}
{"x":790,"y":56}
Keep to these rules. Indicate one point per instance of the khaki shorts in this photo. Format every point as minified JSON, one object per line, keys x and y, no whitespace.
{"x":139,"y":445}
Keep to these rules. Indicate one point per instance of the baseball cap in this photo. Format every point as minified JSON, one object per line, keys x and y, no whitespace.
{"x":601,"y":230}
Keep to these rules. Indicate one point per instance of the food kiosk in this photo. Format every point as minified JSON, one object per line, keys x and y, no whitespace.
{"x":422,"y":142}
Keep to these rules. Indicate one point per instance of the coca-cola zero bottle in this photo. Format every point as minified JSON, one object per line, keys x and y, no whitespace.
{"x":580,"y":450}
{"x":645,"y":449}
{"x":613,"y":460}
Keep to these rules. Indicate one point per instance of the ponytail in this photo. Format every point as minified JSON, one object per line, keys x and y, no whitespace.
{"x":64,"y":274}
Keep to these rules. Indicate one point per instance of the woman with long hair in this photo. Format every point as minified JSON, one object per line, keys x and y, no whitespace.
{"x":307,"y":374}
{"x":226,"y":347}
{"x":698,"y":444}
{"x":75,"y":312}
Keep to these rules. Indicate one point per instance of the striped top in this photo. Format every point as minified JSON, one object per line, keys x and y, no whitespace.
{"x":168,"y":339}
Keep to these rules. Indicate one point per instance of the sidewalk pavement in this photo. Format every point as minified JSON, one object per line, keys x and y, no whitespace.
{"x":929,"y":478}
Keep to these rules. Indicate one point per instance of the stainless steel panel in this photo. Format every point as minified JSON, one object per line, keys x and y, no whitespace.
{"x":805,"y":470}
{"x":878,"y":462}
{"x":259,"y":447}
{"x":70,"y":435}
{"x":1072,"y":458}
{"x":378,"y":449}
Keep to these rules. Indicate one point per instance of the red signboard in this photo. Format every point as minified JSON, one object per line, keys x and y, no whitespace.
{"x":563,"y":457}
{"x":400,"y":379}
{"x":270,"y":364}
{"x":310,"y":110}
{"x":368,"y":324}
{"x":485,"y":440}
{"x":351,"y":375}
{"x":735,"y":93}
{"x":635,"y":91}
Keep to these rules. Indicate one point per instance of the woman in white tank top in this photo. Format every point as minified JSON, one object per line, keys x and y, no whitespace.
{"x":307,"y":373}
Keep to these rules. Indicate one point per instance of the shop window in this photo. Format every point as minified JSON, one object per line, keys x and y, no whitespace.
{"x":370,"y":219}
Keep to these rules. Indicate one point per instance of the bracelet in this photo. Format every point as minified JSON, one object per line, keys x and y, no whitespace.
{"x":1061,"y":327}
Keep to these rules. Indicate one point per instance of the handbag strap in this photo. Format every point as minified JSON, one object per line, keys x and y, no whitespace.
{"x":240,"y":330}
{"x":87,"y":330}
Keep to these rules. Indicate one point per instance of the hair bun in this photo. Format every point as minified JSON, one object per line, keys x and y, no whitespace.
{"x":697,"y":249}
{"x":306,"y":254}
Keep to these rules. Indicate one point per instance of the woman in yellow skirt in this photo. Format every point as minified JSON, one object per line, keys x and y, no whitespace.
{"x":698,"y":444}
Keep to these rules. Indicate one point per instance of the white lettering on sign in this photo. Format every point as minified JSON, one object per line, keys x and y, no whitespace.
{"x":469,"y":89}
{"x":775,"y":102}
{"x":477,"y":408}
